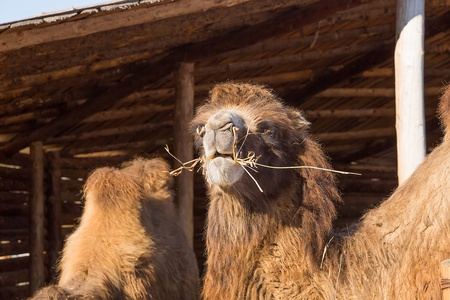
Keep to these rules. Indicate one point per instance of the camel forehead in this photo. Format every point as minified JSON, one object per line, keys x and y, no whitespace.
{"x":243,"y":96}
{"x":250,"y":112}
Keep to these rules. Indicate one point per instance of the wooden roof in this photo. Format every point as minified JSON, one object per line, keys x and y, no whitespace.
{"x":98,"y":80}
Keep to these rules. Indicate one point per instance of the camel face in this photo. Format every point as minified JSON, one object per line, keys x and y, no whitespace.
{"x":220,"y":139}
{"x":240,"y":124}
{"x":231,"y":135}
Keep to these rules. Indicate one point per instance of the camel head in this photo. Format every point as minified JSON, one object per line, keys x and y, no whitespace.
{"x":245,"y":122}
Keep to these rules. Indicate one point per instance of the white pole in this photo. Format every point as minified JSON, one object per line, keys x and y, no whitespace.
{"x":409,"y":86}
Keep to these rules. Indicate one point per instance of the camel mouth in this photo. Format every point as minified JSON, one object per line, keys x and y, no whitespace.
{"x":222,"y":170}
{"x":221,"y":155}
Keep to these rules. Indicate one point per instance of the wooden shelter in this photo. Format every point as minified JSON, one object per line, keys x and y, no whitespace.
{"x":99,"y":85}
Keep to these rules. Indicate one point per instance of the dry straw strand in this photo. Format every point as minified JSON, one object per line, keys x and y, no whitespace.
{"x":189,"y":165}
{"x":251,"y":161}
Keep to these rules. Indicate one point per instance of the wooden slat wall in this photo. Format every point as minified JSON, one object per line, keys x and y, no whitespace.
{"x":14,"y":217}
{"x":14,"y":231}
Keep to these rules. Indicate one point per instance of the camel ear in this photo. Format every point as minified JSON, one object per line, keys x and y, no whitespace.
{"x":298,"y":120}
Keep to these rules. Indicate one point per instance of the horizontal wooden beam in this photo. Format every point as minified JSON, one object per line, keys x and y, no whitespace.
{"x":333,"y":77}
{"x":82,"y":27}
{"x":357,"y":134}
{"x":125,"y":130}
{"x":306,"y":41}
{"x":389,"y":72}
{"x":134,"y":146}
{"x":90,"y":163}
{"x":121,"y":113}
{"x":368,"y":168}
{"x":350,"y":113}
{"x":370,"y":92}
{"x":356,"y":113}
{"x":276,"y":61}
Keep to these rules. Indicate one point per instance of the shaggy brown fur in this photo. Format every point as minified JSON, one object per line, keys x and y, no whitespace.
{"x":129,"y":244}
{"x":270,"y":245}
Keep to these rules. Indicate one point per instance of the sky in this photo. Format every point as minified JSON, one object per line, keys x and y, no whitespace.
{"x":13,"y":10}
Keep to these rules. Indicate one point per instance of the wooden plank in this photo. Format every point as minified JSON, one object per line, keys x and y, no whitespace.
{"x":357,"y":134}
{"x":14,"y":247}
{"x":75,"y":173}
{"x":409,"y":86}
{"x":297,"y":58}
{"x":350,"y":113}
{"x":389,"y":72}
{"x":366,"y":185}
{"x":37,"y":198}
{"x":13,"y":277}
{"x":16,"y":160}
{"x":14,"y":222}
{"x":332,"y":77}
{"x":309,"y":41}
{"x":370,"y":92}
{"x":127,"y":112}
{"x":125,"y":130}
{"x":132,"y":146}
{"x":183,"y":145}
{"x":15,"y":234}
{"x":9,"y":209}
{"x":54,"y":212}
{"x":13,"y":184}
{"x":72,"y":185}
{"x":16,"y":173}
{"x":357,"y":113}
{"x":7,"y":265}
{"x":90,"y":163}
{"x":69,"y":30}
{"x":14,"y":292}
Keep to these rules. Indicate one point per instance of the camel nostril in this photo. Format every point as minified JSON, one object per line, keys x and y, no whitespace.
{"x":228,"y":126}
{"x":201,"y":131}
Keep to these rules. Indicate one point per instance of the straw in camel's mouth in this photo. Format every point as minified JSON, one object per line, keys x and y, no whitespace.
{"x":218,"y":154}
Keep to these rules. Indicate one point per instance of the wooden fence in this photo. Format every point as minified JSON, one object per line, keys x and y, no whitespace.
{"x":62,"y":187}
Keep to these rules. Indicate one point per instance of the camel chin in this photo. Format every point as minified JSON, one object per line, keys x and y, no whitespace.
{"x":223,"y":171}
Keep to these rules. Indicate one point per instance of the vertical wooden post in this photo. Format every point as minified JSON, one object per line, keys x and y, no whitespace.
{"x":445,"y":275}
{"x":409,"y":86}
{"x":54,"y":212}
{"x":183,"y":145}
{"x":37,"y":274}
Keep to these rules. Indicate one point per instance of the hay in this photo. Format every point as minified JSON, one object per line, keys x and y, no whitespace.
{"x":250,"y":162}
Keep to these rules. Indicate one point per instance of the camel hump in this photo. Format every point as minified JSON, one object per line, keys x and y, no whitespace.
{"x":444,"y":108}
{"x":111,"y":186}
{"x":153,"y":174}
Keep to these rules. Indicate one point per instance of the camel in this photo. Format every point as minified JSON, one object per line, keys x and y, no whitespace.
{"x":129,"y":243}
{"x":269,"y":231}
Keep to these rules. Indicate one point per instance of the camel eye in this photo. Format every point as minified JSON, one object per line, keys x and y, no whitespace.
{"x":269,"y":131}
{"x":267,"y":127}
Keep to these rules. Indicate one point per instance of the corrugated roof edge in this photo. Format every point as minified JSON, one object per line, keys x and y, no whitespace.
{"x":69,"y":13}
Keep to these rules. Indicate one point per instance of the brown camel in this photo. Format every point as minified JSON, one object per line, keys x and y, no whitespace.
{"x":269,"y":231}
{"x":129,"y":243}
